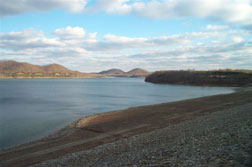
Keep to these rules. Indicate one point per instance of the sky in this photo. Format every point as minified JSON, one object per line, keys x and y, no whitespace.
{"x":95,"y":35}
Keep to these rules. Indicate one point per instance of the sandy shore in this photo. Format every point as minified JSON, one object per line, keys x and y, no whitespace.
{"x":167,"y":134}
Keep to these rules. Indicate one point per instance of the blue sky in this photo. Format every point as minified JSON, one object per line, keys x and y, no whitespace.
{"x":123,"y":25}
{"x":155,"y":35}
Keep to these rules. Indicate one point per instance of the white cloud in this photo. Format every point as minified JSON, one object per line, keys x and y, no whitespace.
{"x":121,"y":39}
{"x":70,"y":32}
{"x":205,"y":35}
{"x":237,"y":39}
{"x":227,"y":11}
{"x":59,"y":52}
{"x":152,"y":41}
{"x":216,"y":27}
{"x":217,"y":55}
{"x":91,"y":38}
{"x":14,"y":7}
{"x":169,"y":40}
{"x":205,"y":49}
{"x":112,"y":44}
{"x":111,"y":6}
{"x":230,"y":11}
{"x":68,"y":42}
{"x":28,"y":38}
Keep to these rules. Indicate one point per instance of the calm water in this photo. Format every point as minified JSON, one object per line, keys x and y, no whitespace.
{"x":32,"y":108}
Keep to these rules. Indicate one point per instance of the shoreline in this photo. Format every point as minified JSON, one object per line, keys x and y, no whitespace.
{"x":223,"y":139}
{"x":67,"y":77}
{"x":50,"y":77}
{"x":137,"y":120}
{"x":76,"y":124}
{"x":204,"y":85}
{"x":55,"y":130}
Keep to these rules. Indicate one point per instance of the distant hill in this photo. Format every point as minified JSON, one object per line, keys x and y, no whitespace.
{"x":113,"y":72}
{"x":137,"y":72}
{"x":53,"y":68}
{"x":13,"y":69}
{"x":211,"y":78}
{"x":10,"y":67}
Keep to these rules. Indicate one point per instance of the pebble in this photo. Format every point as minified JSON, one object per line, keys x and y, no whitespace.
{"x":222,"y":138}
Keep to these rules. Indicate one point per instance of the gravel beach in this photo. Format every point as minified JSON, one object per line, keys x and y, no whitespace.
{"x":221,"y":138}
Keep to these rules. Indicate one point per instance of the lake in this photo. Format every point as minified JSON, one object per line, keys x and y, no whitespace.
{"x":33,"y":108}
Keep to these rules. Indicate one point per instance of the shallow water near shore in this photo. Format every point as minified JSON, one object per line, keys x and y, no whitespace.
{"x":33,"y":108}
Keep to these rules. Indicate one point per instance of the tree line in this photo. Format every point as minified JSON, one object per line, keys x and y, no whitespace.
{"x":192,"y":77}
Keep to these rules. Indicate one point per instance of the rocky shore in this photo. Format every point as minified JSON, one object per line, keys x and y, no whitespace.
{"x":221,"y":138}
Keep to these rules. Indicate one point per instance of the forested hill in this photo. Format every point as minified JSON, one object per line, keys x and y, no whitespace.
{"x":211,"y":78}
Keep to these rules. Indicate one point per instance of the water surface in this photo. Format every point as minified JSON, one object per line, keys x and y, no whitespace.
{"x":32,"y":108}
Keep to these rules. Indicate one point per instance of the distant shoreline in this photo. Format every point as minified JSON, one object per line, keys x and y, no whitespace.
{"x":47,"y":77}
{"x":13,"y":69}
{"x":104,"y":76}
